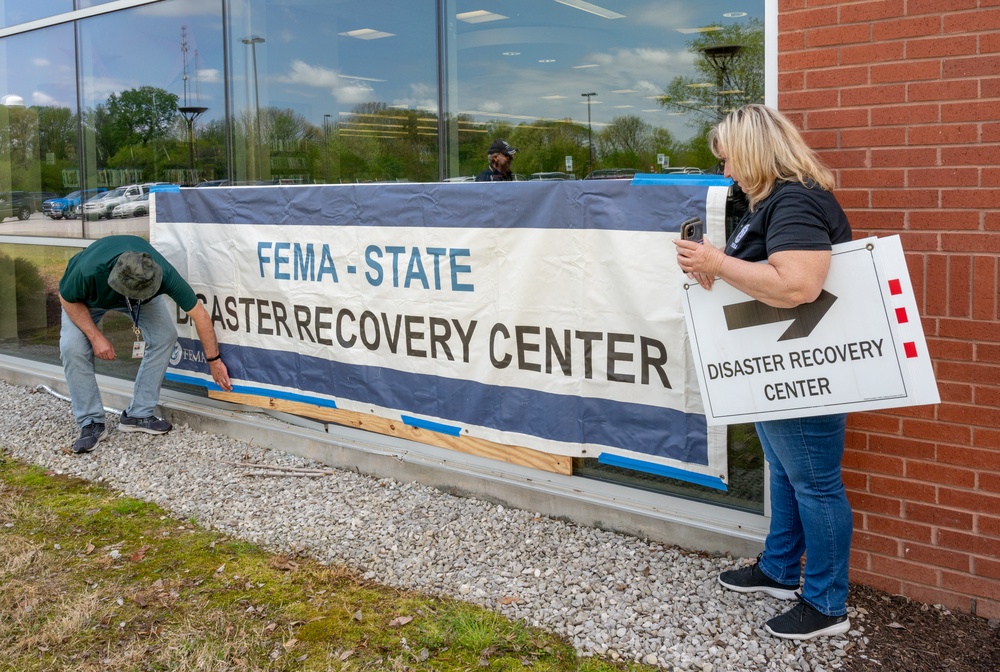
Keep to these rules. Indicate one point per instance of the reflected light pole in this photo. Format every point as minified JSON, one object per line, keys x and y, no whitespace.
{"x":253,"y":41}
{"x":590,"y":130}
{"x":721,"y":56}
{"x":326,"y":148}
{"x":190,"y":113}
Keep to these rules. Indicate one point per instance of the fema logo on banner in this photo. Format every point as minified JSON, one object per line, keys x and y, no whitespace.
{"x":177,"y":355}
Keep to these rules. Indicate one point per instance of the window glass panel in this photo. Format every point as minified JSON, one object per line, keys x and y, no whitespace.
{"x":630,"y":78}
{"x":38,"y":127}
{"x":20,"y":11}
{"x":335,"y":91}
{"x":29,"y":300}
{"x":606,"y":87}
{"x":153,"y":103}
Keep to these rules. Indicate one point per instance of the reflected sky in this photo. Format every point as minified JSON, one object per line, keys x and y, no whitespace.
{"x":519,"y":60}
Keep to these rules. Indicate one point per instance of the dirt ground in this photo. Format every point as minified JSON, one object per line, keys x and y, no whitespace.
{"x":907,"y":636}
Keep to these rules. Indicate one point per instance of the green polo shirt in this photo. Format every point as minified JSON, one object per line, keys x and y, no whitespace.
{"x":86,"y":277}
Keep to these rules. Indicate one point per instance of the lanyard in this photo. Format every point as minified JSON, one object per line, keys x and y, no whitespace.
{"x":134,"y":315}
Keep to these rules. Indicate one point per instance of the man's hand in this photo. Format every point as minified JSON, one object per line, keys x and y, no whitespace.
{"x":220,"y":374}
{"x":102,"y":346}
{"x":79,"y":313}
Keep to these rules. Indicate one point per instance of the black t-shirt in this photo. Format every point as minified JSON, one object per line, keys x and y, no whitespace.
{"x":793,"y":217}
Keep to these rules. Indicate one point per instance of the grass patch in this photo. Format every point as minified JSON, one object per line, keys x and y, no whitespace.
{"x":92,"y":580}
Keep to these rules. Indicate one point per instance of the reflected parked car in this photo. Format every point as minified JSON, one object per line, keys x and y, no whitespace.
{"x":612,"y":174}
{"x":15,"y":204}
{"x":68,"y":206}
{"x":555,"y":175}
{"x":136,"y":208}
{"x":38,"y":199}
{"x":105,"y":205}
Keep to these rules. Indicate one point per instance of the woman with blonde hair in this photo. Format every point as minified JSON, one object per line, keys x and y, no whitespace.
{"x":791,"y":224}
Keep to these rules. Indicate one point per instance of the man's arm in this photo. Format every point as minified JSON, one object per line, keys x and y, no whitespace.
{"x":206,"y":333}
{"x":79,"y":313}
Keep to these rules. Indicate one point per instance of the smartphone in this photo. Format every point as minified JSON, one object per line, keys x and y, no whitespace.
{"x":693,"y":229}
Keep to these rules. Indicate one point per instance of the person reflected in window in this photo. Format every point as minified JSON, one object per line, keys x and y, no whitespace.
{"x":779,"y":253}
{"x":501,"y":156}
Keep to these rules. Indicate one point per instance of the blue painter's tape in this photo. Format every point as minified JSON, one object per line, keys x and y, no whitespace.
{"x":687,"y":179}
{"x":432,"y":426}
{"x":662,"y":470}
{"x":256,"y":391}
{"x":164,"y":188}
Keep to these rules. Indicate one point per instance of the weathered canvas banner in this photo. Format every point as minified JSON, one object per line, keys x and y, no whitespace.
{"x":545,"y":315}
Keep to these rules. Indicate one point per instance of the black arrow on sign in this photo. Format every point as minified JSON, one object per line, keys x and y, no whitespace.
{"x":804,"y":318}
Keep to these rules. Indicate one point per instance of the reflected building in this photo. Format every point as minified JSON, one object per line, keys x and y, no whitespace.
{"x":304,"y":92}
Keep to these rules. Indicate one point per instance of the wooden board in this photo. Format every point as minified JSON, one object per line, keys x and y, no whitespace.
{"x":559,"y":464}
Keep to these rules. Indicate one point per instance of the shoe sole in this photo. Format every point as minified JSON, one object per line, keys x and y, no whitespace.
{"x":835,"y":629}
{"x":103,"y":435}
{"x":780,"y":593}
{"x":133,"y":428}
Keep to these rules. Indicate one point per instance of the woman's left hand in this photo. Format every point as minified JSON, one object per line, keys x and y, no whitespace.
{"x":701,"y":261}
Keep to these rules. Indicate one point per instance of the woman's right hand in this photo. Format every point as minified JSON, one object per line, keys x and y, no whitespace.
{"x":701,"y":261}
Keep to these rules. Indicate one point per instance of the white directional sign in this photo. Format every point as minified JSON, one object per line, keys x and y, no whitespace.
{"x":859,"y":346}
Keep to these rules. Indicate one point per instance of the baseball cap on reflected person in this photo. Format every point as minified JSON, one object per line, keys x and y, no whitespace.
{"x":136,"y":276}
{"x":501,"y":147}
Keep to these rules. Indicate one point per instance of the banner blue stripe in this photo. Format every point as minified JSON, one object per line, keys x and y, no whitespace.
{"x":645,"y":429}
{"x":572,"y":204}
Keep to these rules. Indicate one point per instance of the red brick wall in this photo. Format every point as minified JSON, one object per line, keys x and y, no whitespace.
{"x":902,"y":99}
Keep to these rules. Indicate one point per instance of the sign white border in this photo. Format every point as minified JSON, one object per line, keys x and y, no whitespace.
{"x":859,"y":347}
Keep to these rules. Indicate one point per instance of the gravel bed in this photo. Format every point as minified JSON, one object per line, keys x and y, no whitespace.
{"x":612,"y":595}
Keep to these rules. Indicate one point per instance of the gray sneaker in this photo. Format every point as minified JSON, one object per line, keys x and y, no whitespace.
{"x":150,"y":424}
{"x":90,"y":436}
{"x":751,"y":580}
{"x":804,"y":621}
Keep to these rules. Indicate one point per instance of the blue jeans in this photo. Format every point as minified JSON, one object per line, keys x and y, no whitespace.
{"x":809,"y":508}
{"x":159,"y":331}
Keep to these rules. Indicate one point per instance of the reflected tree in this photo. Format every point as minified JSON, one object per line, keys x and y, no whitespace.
{"x":544,"y":145}
{"x":18,"y":148}
{"x":630,"y":142}
{"x":712,"y":93}
{"x":134,"y":117}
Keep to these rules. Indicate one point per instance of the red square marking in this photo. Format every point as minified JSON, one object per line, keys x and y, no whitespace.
{"x":911,"y":349}
{"x":895,"y":287}
{"x":901,"y":316}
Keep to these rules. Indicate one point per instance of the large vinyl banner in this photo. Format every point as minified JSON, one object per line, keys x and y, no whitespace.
{"x":540,"y":314}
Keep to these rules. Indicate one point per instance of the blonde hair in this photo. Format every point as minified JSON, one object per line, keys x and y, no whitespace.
{"x":762,"y":146}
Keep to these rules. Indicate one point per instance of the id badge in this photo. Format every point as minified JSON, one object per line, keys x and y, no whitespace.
{"x":138,"y":349}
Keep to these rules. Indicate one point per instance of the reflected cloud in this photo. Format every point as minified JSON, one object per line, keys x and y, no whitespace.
{"x":43,"y":99}
{"x":345,"y":89}
{"x":422,"y":97}
{"x":209,"y":76}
